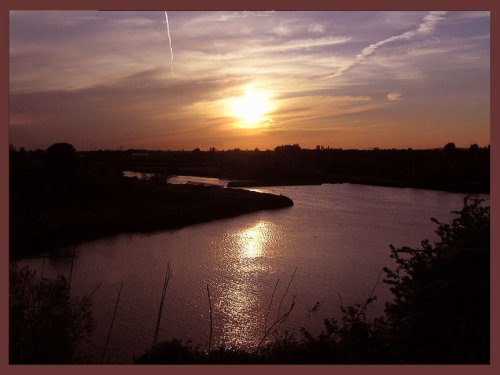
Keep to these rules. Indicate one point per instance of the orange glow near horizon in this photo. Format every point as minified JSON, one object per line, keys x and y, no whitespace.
{"x":249,"y":80}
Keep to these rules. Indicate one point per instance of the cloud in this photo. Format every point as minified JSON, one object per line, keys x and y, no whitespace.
{"x":70,"y":73}
{"x":316,"y":28}
{"x":394,"y":96}
{"x":426,"y":26}
{"x":228,"y":16}
{"x":281,"y":30}
{"x":141,"y":105}
{"x":305,"y":43}
{"x":311,"y":111}
{"x":430,"y":22}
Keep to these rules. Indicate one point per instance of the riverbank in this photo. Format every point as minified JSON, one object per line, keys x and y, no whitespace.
{"x":49,"y":212}
{"x":455,"y":170}
{"x":464,"y":187}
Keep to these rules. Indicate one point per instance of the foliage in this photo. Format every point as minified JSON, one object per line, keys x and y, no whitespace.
{"x":347,"y":341}
{"x":440,"y":311}
{"x":177,"y":351}
{"x":61,"y":158}
{"x":46,"y":324}
{"x":449,"y":147}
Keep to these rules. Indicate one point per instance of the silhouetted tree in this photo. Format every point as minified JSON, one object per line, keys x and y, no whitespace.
{"x":449,"y":147}
{"x":295,"y":148}
{"x":474,"y":147}
{"x":61,"y":158}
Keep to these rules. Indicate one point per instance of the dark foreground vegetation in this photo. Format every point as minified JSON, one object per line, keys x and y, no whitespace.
{"x":46,"y":324}
{"x":59,"y":199}
{"x":440,"y":313}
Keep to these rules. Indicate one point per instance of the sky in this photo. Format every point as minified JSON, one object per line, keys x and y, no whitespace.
{"x":345,"y":79}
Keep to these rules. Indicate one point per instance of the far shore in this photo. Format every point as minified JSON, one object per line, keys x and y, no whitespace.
{"x":467,"y":188}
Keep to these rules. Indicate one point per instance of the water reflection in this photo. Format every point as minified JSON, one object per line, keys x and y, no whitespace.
{"x":241,"y":295}
{"x":252,"y":240}
{"x":238,"y":306}
{"x":195,"y":180}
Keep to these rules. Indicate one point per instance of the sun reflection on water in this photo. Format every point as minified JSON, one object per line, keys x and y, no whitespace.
{"x":253,"y":239}
{"x":240,"y":303}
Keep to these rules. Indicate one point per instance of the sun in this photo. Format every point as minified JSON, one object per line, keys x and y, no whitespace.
{"x":251,"y":107}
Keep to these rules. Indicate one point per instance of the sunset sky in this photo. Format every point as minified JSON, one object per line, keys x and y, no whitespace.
{"x":105,"y":80}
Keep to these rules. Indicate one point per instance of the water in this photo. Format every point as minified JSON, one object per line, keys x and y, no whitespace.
{"x":337,"y":236}
{"x":207,"y":181}
{"x":179,"y":179}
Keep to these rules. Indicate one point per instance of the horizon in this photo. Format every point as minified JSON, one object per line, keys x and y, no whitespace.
{"x":188,"y":79}
{"x":256,"y":149}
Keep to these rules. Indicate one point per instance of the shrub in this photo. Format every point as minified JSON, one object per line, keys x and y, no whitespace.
{"x":46,"y":324}
{"x":440,"y":312}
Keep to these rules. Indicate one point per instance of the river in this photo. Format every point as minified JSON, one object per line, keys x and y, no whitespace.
{"x":336,"y":236}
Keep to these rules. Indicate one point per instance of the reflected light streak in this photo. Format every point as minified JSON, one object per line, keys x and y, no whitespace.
{"x":241,"y":293}
{"x":252,"y":240}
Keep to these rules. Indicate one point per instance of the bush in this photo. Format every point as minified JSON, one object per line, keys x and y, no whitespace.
{"x":46,"y":324}
{"x":441,"y":308}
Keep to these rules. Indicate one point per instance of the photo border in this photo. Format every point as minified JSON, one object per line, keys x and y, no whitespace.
{"x":7,"y":5}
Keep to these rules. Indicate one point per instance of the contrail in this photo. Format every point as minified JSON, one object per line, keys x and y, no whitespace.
{"x":426,"y":26}
{"x":170,"y":44}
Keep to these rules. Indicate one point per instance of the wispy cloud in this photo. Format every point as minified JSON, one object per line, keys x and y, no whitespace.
{"x":306,"y":43}
{"x":170,"y":44}
{"x":394,"y":96}
{"x":227,"y":16}
{"x":316,"y":28}
{"x":426,"y":26}
{"x":281,"y":30}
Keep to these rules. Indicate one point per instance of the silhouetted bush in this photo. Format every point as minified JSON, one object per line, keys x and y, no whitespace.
{"x":174,"y":351}
{"x":46,"y":324}
{"x":441,"y":308}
